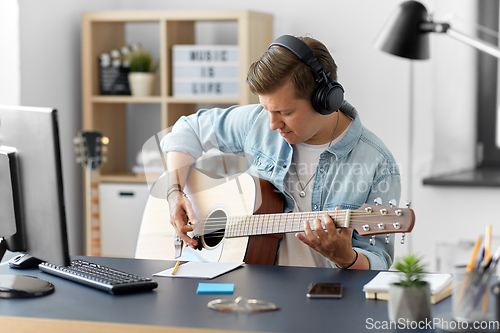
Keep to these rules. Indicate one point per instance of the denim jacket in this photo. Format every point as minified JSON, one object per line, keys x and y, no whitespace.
{"x":356,"y":170}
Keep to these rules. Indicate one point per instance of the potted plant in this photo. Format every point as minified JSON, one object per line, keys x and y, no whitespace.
{"x":410,"y":298}
{"x":141,"y":75}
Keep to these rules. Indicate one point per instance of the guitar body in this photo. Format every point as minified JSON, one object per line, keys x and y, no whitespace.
{"x":212,"y":199}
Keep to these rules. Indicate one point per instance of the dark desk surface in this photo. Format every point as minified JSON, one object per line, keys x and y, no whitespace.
{"x":175,"y":306}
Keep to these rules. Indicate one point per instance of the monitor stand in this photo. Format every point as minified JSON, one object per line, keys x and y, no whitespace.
{"x":20,"y":286}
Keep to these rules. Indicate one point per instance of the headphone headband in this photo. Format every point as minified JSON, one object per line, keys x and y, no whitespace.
{"x":304,"y":53}
{"x":329,"y":95}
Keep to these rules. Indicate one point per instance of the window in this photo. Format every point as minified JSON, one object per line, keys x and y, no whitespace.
{"x":487,"y":172}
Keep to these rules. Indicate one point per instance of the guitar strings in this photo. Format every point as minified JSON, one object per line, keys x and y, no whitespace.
{"x":309,"y":215}
{"x":221,"y":233}
{"x":251,"y":225}
{"x":252,"y":219}
{"x":220,"y":225}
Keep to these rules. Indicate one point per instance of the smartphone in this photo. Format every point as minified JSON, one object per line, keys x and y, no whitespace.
{"x":325,"y":290}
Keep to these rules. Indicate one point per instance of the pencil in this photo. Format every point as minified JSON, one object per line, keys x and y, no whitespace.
{"x":474,"y":254}
{"x":175,"y":268}
{"x":487,"y":257}
{"x":487,"y":244}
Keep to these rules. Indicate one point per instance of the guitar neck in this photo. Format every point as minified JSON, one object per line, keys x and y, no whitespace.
{"x":92,"y":213}
{"x":281,"y":223}
{"x":367,"y":220}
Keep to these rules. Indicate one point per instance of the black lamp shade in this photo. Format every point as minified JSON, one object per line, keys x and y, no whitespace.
{"x":402,"y":35}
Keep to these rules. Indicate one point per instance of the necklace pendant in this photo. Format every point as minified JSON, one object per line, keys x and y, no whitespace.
{"x":302,"y":194}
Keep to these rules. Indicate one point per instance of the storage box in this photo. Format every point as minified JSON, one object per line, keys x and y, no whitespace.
{"x":121,"y":207}
{"x":205,"y":71}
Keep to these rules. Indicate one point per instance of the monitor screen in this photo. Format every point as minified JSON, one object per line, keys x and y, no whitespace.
{"x":33,"y":134}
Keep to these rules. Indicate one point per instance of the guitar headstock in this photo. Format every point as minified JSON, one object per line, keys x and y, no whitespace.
{"x":90,"y":146}
{"x":371,"y":220}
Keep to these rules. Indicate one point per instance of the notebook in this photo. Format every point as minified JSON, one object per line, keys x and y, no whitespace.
{"x":378,"y":288}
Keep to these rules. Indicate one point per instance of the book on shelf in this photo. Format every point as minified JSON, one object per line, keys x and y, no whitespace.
{"x":378,"y":288}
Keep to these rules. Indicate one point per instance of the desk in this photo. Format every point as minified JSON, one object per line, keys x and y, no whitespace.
{"x":175,"y":307}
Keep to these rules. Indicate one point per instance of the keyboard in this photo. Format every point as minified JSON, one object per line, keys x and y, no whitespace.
{"x":100,"y":277}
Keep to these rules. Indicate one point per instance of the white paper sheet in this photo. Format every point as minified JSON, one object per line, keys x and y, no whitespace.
{"x":200,"y":270}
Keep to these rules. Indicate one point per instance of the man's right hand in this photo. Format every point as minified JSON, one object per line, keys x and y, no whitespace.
{"x":182,"y":217}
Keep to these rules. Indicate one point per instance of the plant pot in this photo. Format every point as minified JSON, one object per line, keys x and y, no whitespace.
{"x":141,"y":83}
{"x":413,"y":304}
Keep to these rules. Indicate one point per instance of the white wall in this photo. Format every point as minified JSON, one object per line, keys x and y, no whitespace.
{"x":376,"y":83}
{"x":50,"y":76}
{"x":10,"y":86}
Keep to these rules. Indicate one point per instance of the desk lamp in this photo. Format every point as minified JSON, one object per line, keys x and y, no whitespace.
{"x":406,"y":34}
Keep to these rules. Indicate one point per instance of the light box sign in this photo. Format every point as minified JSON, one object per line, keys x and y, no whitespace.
{"x":205,"y":71}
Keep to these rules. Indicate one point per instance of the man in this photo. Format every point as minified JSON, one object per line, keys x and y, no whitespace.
{"x":308,"y":142}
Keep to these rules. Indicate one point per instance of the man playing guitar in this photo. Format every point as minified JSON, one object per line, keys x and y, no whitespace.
{"x":308,"y":142}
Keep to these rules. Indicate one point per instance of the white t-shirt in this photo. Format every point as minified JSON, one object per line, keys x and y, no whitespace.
{"x":292,"y":251}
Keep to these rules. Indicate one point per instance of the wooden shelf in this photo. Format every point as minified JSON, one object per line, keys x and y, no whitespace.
{"x":105,"y":31}
{"x":177,"y":100}
{"x":127,"y":99}
{"x":161,"y":99}
{"x":123,"y":178}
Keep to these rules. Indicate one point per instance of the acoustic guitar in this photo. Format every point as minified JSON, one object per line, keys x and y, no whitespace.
{"x":240,"y":219}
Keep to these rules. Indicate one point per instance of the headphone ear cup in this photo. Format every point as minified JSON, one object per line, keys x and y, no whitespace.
{"x":317,"y":100}
{"x":335,"y":97}
{"x":328,"y":97}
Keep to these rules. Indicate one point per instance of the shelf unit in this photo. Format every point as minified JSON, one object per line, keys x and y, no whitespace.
{"x":104,"y":31}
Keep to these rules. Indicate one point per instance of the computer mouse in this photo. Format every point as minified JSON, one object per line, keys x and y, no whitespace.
{"x":24,"y":261}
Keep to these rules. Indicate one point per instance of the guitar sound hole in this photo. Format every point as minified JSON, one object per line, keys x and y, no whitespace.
{"x":214,"y":228}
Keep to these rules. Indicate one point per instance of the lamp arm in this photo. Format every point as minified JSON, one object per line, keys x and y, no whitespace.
{"x":446,"y":28}
{"x":478,"y":44}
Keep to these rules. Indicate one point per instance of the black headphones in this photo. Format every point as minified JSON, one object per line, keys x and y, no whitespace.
{"x":330,"y":94}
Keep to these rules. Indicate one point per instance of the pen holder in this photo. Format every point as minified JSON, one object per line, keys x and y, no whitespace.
{"x":472,"y":297}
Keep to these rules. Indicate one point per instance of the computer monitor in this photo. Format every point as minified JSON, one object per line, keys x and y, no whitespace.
{"x":30,"y":153}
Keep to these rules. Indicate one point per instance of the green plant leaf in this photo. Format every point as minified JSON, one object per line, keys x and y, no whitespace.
{"x":140,"y":61}
{"x":412,"y":270}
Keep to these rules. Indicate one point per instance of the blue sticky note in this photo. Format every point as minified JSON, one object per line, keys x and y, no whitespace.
{"x":215,"y":288}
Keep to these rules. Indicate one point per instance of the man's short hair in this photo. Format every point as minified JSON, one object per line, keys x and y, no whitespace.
{"x":278,"y":65}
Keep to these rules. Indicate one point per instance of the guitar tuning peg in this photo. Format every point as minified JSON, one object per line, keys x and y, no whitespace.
{"x":402,"y":238}
{"x":372,"y":240}
{"x":393,"y":203}
{"x":408,"y":203}
{"x":387,"y":238}
{"x":78,"y":160}
{"x":76,"y":150}
{"x":378,"y":201}
{"x":104,"y":140}
{"x":104,"y":149}
{"x":76,"y":140}
{"x":104,"y":159}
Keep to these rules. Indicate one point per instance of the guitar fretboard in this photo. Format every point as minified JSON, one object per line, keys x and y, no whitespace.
{"x":93,"y":222}
{"x":253,"y":225}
